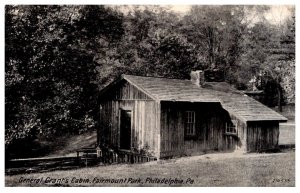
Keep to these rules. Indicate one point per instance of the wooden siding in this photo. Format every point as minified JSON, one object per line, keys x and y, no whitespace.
{"x":210,"y":129}
{"x":144,"y":117}
{"x":125,"y":91}
{"x":262,"y":135}
{"x":242,"y":135}
{"x":143,"y":128}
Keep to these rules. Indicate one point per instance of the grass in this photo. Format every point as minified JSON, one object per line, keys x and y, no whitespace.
{"x":287,"y":134}
{"x":219,"y":169}
{"x":67,"y":145}
{"x":76,"y":142}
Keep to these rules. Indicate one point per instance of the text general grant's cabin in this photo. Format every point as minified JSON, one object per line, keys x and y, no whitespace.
{"x":173,"y":117}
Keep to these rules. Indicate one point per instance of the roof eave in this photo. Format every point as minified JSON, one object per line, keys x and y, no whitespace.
{"x":279,"y":120}
{"x":140,"y":88}
{"x":191,"y":101}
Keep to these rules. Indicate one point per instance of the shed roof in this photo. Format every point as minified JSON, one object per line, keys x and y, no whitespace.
{"x":235,"y":102}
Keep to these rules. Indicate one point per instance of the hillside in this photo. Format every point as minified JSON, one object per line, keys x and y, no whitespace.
{"x":67,"y":145}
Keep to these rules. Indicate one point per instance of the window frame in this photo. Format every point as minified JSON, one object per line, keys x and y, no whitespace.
{"x":190,"y":124}
{"x":231,"y":128}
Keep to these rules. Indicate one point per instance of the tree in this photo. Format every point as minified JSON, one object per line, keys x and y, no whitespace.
{"x":151,"y":47}
{"x":216,"y":31}
{"x":269,"y":51}
{"x":169,"y":55}
{"x":51,"y":68}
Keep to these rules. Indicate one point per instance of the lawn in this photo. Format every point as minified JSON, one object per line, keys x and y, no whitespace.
{"x":216,"y":169}
{"x":287,"y":133}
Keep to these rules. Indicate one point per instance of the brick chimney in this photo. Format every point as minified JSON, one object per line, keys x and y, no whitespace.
{"x":197,"y":77}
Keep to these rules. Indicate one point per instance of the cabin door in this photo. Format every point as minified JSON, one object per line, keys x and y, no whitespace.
{"x":125,"y":129}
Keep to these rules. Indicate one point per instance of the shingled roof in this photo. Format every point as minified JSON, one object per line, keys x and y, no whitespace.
{"x":236,"y":103}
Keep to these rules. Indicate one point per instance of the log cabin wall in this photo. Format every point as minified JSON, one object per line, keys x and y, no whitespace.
{"x":262,"y":135}
{"x":210,"y":129}
{"x":144,"y":118}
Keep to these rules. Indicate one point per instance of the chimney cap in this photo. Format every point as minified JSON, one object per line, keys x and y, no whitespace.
{"x":197,"y":77}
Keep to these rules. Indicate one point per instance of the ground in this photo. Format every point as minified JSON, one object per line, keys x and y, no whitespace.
{"x":216,"y":169}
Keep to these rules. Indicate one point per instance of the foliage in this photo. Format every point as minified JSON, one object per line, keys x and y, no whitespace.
{"x":269,"y":52}
{"x":216,"y":32}
{"x":50,"y":68}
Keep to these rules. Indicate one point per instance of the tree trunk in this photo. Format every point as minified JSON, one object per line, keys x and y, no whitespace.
{"x":279,"y":93}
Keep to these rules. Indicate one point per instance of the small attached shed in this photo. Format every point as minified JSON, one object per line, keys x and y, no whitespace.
{"x":173,"y":117}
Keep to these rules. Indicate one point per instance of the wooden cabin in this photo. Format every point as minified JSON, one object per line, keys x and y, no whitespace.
{"x":173,"y":117}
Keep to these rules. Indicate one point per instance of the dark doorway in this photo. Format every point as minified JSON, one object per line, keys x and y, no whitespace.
{"x":125,"y":129}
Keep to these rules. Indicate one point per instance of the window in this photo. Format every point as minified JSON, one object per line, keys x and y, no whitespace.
{"x":231,"y":128}
{"x":190,"y":125}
